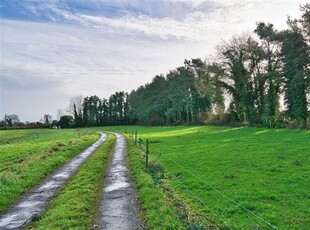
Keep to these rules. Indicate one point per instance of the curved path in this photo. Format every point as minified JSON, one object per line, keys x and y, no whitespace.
{"x":36,"y":200}
{"x":117,"y":209}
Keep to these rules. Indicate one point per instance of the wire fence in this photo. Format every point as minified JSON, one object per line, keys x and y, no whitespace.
{"x":223,"y":201}
{"x":300,"y":201}
{"x":209,"y":220}
{"x":200,"y":200}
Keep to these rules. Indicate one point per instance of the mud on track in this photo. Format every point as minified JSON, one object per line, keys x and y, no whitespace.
{"x":37,"y":199}
{"x":117,"y":209}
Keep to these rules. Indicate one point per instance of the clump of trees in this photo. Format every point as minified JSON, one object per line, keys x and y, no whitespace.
{"x":93,"y":111}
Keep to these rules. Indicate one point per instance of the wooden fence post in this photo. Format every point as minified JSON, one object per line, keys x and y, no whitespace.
{"x":136,"y":134}
{"x":147,"y":154}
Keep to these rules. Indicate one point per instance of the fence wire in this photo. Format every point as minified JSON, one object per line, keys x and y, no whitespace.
{"x":236,"y":204}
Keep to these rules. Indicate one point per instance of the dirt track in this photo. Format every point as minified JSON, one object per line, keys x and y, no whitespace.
{"x":118,"y":209}
{"x":35,"y":201}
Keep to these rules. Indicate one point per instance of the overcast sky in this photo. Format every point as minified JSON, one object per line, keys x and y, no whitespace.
{"x":52,"y":50}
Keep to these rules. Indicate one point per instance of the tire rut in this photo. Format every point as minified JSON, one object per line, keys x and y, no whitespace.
{"x":118,"y":209}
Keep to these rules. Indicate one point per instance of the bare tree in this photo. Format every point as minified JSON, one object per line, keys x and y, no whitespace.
{"x":11,"y":119}
{"x":59,"y":114}
{"x":47,"y":118}
{"x":75,"y":105}
{"x":75,"y":108}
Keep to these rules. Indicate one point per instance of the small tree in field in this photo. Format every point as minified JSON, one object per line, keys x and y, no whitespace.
{"x":47,"y":119}
{"x":66,"y":121}
{"x":11,"y":119}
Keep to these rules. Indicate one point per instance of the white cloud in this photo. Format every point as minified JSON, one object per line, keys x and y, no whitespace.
{"x":202,"y":20}
{"x":54,"y":59}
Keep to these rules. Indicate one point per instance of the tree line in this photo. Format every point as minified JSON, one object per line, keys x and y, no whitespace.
{"x":245,"y":83}
{"x":12,"y":121}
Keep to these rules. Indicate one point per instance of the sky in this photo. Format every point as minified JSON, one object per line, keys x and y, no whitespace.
{"x":52,"y":50}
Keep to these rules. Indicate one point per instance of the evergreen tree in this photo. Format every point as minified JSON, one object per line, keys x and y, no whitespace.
{"x":296,"y":58}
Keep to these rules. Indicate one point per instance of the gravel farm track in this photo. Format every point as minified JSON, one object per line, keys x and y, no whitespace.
{"x":118,"y":209}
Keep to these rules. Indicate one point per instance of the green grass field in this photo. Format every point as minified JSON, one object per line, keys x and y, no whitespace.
{"x":28,"y":156}
{"x":217,"y":177}
{"x":240,"y":178}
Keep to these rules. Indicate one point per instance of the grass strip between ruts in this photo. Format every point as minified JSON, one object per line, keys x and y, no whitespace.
{"x":76,"y":205}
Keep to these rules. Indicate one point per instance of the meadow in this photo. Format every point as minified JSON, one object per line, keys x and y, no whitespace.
{"x":28,"y":156}
{"x":199,"y":177}
{"x":237,"y":178}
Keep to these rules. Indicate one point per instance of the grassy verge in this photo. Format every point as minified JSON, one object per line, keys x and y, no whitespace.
{"x":163,"y":208}
{"x":76,"y":205}
{"x":246,"y":178}
{"x":28,"y":156}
